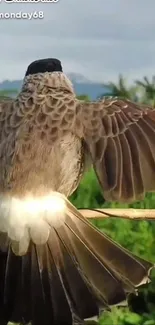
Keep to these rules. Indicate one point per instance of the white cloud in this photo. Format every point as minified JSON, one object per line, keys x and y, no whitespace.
{"x":97,"y":38}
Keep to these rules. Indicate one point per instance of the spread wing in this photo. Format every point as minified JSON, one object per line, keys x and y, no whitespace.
{"x":120,"y":136}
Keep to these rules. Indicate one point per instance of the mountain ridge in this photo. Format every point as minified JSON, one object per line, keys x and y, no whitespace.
{"x":82,"y":86}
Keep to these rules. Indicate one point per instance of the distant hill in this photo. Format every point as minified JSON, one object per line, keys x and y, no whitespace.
{"x":82,"y":86}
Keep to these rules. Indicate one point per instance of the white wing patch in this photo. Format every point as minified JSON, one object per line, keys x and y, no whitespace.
{"x":31,"y":218}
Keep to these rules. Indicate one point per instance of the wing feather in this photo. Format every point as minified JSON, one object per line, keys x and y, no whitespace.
{"x":122,"y":146}
{"x":119,"y":135}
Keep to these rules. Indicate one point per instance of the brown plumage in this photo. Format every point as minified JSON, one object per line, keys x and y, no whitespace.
{"x":55,"y":267}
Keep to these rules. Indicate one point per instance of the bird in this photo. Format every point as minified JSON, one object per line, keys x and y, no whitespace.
{"x":55,"y":266}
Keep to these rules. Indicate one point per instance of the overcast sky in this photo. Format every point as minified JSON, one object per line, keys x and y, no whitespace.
{"x":97,"y":38}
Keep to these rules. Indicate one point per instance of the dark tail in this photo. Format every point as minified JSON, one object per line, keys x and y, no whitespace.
{"x":78,"y":272}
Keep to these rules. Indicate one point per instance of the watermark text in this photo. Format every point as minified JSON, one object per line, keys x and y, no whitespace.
{"x":22,"y":15}
{"x":31,"y":1}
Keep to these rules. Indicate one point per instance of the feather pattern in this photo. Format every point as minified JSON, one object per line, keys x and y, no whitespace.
{"x":50,"y":257}
{"x":119,"y":135}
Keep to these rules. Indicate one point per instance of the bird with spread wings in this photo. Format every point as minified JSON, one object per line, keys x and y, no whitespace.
{"x":55,"y":267}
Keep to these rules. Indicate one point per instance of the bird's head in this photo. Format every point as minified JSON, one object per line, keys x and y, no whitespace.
{"x":44,"y":65}
{"x":46,"y":73}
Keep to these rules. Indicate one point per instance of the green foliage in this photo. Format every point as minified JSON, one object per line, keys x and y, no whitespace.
{"x":141,"y":90}
{"x":137,"y":236}
{"x":124,"y":317}
{"x":7,"y":93}
{"x":149,"y":90}
{"x":84,"y":97}
{"x":121,"y":90}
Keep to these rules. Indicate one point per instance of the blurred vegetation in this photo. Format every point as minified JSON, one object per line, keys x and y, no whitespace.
{"x":148,"y":88}
{"x":137,"y":236}
{"x":122,"y":90}
{"x":5,"y":93}
{"x":141,"y":90}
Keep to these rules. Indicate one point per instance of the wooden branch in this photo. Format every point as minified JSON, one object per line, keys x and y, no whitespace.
{"x":135,"y":214}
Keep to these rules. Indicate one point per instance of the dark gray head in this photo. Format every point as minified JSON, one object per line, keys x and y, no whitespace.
{"x":44,"y":65}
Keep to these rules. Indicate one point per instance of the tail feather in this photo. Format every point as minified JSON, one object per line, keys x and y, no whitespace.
{"x":55,"y":298}
{"x":72,"y":281}
{"x":3,"y":260}
{"x":10,"y":287}
{"x":109,"y":290}
{"x":107,"y":250}
{"x":70,"y":278}
{"x":39,"y":306}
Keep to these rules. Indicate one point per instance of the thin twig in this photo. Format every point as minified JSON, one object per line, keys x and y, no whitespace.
{"x":135,"y":214}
